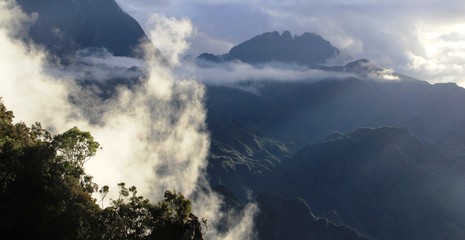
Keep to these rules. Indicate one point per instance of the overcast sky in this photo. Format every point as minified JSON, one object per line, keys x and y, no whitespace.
{"x":421,"y":38}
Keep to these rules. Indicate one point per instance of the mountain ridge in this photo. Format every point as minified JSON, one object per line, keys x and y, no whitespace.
{"x":281,"y":218}
{"x":368,"y":172}
{"x":308,"y":49}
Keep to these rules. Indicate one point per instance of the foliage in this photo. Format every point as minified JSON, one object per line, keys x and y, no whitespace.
{"x":41,"y":195}
{"x":45,"y":193}
{"x":76,"y":146}
{"x":173,"y":215}
{"x":133,"y":217}
{"x":128,"y":217}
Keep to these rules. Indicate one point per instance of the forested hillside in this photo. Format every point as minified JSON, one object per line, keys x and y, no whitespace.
{"x":46,"y":194}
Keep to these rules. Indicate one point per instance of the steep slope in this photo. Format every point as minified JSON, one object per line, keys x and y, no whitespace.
{"x":242,"y":159}
{"x":254,"y":133}
{"x":307,"y":49}
{"x":383,"y":182}
{"x":292,"y":219}
{"x":64,"y":26}
{"x":307,"y":111}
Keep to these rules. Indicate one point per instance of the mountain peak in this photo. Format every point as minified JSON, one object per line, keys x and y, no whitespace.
{"x":308,"y":49}
{"x":286,"y":35}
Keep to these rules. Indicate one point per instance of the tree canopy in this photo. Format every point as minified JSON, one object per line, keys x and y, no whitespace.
{"x":46,"y":194}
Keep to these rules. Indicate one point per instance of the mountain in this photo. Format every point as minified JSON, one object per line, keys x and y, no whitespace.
{"x":307,"y":111}
{"x":64,"y":26}
{"x":308,"y":49}
{"x":256,"y":131}
{"x":292,"y":219}
{"x":297,"y":139}
{"x":242,"y":159}
{"x":320,"y":143}
{"x":384,"y":182}
{"x":381,"y":182}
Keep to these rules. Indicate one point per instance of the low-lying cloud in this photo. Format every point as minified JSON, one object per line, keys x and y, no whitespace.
{"x":230,"y":73}
{"x":98,"y":65}
{"x":153,"y":134}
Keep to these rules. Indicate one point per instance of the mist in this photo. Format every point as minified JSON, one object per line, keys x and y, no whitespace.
{"x":100,"y":65}
{"x":153,"y":135}
{"x":232,"y":73}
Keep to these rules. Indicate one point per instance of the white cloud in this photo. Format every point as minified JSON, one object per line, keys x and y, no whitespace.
{"x":153,"y":135}
{"x":104,"y":57}
{"x":170,"y":35}
{"x":442,"y":58}
{"x":251,"y":78}
{"x":230,"y":73}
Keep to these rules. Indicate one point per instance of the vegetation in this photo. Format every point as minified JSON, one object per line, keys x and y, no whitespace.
{"x":45,"y":193}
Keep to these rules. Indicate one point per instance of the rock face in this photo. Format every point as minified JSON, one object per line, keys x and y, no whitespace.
{"x":307,"y":49}
{"x":64,"y":26}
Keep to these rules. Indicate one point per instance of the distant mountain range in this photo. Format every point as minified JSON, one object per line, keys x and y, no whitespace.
{"x":380,"y":181}
{"x":298,"y":139}
{"x":308,"y":111}
{"x":371,"y":158}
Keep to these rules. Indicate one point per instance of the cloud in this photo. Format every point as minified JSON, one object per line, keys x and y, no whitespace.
{"x":251,"y":77}
{"x":104,"y":57}
{"x":242,"y":230}
{"x":388,"y":33}
{"x":443,"y":55}
{"x":170,"y":35}
{"x":23,"y":78}
{"x":153,"y":134}
{"x":233,"y":72}
{"x":99,"y":65}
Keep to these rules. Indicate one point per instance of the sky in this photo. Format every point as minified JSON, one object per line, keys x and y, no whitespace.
{"x":420,"y":38}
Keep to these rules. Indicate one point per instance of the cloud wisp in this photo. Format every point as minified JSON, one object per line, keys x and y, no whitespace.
{"x":234,"y":73}
{"x":153,"y":134}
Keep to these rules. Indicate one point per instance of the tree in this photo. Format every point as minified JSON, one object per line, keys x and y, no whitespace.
{"x":133,"y":217}
{"x":128,"y":217}
{"x":76,"y":146}
{"x":42,"y":195}
{"x":45,"y":193}
{"x":174,"y":220}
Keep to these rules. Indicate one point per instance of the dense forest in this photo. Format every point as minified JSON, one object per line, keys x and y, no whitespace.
{"x":46,"y":194}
